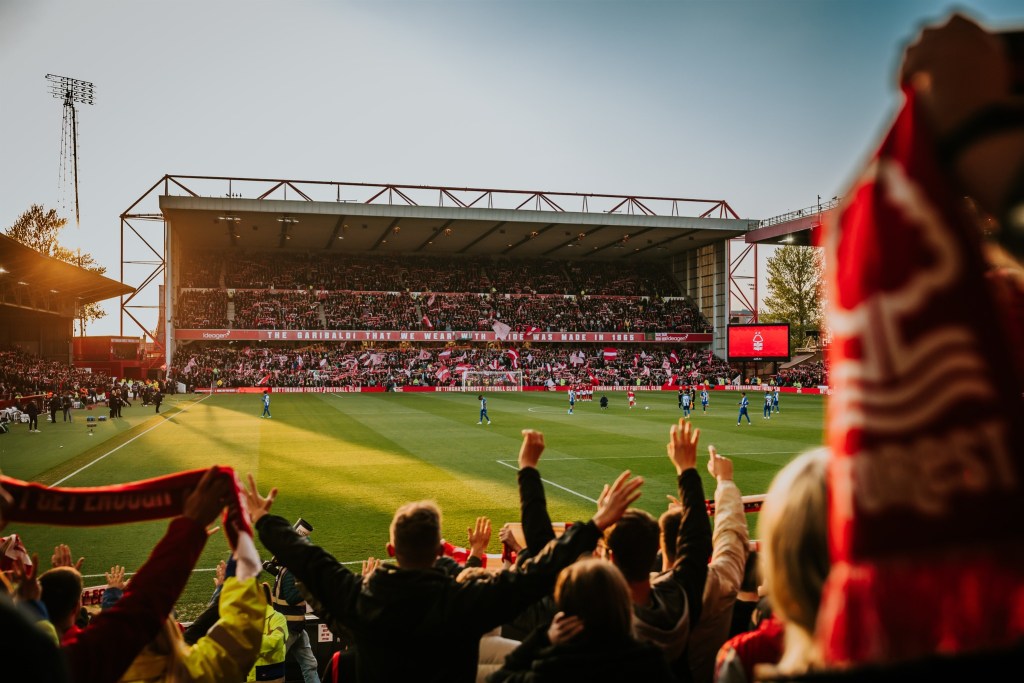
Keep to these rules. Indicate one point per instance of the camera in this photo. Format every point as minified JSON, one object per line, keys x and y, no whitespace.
{"x":302,"y":528}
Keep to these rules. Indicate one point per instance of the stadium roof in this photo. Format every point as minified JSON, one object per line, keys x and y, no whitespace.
{"x":23,"y":267}
{"x":607,"y":227}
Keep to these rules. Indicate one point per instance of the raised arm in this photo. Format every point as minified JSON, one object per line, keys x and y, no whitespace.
{"x":332,"y":585}
{"x":731,"y":538}
{"x":533,"y":505}
{"x":693,"y":543}
{"x":499,"y":598}
{"x":103,"y":651}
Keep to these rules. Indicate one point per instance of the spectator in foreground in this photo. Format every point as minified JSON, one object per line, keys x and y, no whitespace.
{"x":730,"y":543}
{"x":103,"y":650}
{"x":666,"y":607}
{"x":794,"y":550}
{"x":590,"y":639}
{"x":410,"y":621}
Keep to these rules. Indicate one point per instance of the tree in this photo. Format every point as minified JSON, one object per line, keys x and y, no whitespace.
{"x":39,"y":229}
{"x":795,"y":284}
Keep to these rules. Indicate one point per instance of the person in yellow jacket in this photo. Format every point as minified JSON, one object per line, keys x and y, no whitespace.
{"x":270,"y":663}
{"x":225,"y":653}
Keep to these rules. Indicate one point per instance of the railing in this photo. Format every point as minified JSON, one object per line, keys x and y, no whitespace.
{"x":818,"y":208}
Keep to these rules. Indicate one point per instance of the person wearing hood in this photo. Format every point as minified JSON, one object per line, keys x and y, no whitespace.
{"x":667,"y":606}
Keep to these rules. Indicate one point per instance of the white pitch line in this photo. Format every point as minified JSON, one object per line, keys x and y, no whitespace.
{"x":56,"y":483}
{"x":557,"y":486}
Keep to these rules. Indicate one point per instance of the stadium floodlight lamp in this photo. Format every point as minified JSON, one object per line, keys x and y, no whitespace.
{"x":287,"y":220}
{"x":71,"y":89}
{"x":229,"y":218}
{"x":2,"y":270}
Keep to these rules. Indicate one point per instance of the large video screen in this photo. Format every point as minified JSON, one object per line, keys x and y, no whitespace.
{"x":759,"y":342}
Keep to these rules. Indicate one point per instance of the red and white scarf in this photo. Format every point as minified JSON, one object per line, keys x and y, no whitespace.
{"x":927,"y":471}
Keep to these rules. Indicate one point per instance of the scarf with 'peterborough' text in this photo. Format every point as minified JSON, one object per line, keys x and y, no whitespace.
{"x":137,"y":501}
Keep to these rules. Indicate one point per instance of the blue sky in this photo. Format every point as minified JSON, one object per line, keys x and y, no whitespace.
{"x":764,"y":104}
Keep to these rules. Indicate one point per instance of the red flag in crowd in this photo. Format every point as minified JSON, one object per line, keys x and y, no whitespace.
{"x":514,"y":356}
{"x":443,"y":373}
{"x":445,"y":355}
{"x":610,"y":353}
{"x":673,"y":358}
{"x":927,"y":461}
{"x":426,"y":323}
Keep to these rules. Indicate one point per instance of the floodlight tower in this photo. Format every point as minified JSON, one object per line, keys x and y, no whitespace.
{"x":71,"y":90}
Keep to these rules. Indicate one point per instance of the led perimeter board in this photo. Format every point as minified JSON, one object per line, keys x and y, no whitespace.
{"x":759,"y":342}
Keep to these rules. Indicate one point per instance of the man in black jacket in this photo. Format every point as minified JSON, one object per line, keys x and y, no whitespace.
{"x":411,"y":621}
{"x":666,"y":608}
{"x":32,"y":409}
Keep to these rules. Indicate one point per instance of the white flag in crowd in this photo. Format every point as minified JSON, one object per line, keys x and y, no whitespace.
{"x":501,"y":330}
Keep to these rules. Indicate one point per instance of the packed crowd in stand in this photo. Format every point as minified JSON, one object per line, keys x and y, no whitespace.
{"x":808,"y":374}
{"x":300,"y":309}
{"x":22,"y":374}
{"x":299,"y":291}
{"x":392,"y":365}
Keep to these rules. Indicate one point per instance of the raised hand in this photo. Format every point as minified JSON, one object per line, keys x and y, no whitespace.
{"x":682,"y":445}
{"x":370,"y":565}
{"x":957,"y":68}
{"x":674,"y":503}
{"x":615,"y":499}
{"x":258,"y":505}
{"x":219,"y":572}
{"x":533,"y":446}
{"x":115,"y":577}
{"x":26,"y":576}
{"x":564,"y":628}
{"x":719,"y":466}
{"x":479,"y":536}
{"x":62,"y":557}
{"x":508,"y":538}
{"x":209,"y":497}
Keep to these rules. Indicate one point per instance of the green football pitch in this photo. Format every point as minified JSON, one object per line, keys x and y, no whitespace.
{"x":344,"y":462}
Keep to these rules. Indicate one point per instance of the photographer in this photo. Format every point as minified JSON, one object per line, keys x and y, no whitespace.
{"x":287,"y":600}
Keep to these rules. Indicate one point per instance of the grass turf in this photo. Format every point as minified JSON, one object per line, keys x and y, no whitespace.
{"x":344,"y":462}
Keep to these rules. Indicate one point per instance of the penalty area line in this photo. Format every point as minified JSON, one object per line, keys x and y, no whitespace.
{"x":158,"y":424}
{"x":547,"y":481}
